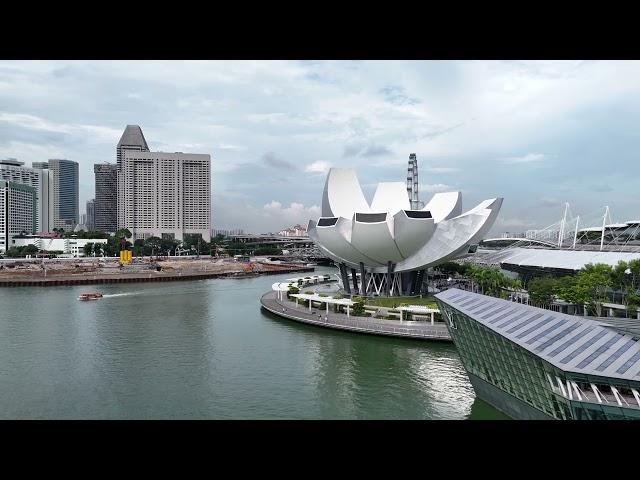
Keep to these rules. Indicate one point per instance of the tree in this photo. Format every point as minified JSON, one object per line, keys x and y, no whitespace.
{"x":589,"y":287}
{"x":358,"y":307}
{"x":98,"y":249}
{"x":542,"y":290}
{"x":88,"y":249}
{"x":123,"y":233}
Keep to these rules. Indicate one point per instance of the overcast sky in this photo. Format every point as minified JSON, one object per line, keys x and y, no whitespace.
{"x":536,"y":133}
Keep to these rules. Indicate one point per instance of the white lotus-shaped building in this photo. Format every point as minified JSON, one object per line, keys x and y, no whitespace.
{"x":388,"y":237}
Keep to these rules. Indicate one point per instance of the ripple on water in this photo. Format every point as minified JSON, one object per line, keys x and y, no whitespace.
{"x":204,"y":349}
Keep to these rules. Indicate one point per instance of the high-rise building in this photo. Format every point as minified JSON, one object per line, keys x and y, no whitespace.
{"x":90,"y":222}
{"x":164,"y":194}
{"x":106,"y":201}
{"x":65,"y":193}
{"x":41,"y":180}
{"x":132,"y":139}
{"x":40,"y":165}
{"x":17,"y":211}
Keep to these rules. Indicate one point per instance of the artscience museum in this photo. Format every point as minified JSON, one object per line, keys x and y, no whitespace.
{"x":385,"y":247}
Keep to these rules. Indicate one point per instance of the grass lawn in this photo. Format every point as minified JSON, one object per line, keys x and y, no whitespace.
{"x":392,"y":302}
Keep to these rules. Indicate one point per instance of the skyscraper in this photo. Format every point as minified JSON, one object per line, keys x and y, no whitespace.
{"x":17,"y":211}
{"x":41,"y":180}
{"x":91,"y":216}
{"x":165,"y":194}
{"x":132,"y":139}
{"x":106,"y":201}
{"x":65,"y":193}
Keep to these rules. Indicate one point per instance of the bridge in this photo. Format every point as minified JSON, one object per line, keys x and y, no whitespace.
{"x":507,"y":241}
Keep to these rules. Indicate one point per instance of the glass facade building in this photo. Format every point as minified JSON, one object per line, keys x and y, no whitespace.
{"x":532,"y":363}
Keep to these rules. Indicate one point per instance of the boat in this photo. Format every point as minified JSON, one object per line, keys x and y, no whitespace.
{"x":90,"y":296}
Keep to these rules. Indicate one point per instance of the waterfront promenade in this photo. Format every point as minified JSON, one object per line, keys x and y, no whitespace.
{"x":318,"y":316}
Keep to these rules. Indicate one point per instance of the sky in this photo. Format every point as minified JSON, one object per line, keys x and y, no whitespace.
{"x":538,"y":133}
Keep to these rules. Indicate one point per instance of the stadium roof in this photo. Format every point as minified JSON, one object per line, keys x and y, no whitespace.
{"x":559,"y":259}
{"x":573,"y":344}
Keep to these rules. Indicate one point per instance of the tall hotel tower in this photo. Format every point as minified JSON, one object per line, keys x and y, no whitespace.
{"x":160,"y":194}
{"x":132,"y":139}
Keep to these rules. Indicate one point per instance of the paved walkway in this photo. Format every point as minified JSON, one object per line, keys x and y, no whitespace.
{"x":394,"y":328}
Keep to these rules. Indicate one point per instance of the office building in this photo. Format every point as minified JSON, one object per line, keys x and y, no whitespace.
{"x":90,"y":220}
{"x":106,"y":201}
{"x":164,"y":194}
{"x":532,"y":363}
{"x":17,"y":212}
{"x":132,"y":140}
{"x":65,"y":193}
{"x":41,"y":180}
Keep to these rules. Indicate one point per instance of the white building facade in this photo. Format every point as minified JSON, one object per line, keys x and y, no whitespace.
{"x":73,"y":247}
{"x":41,"y":180}
{"x":164,"y":194}
{"x":17,"y":212}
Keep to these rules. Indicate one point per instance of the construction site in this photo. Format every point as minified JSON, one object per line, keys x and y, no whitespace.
{"x":56,"y":271}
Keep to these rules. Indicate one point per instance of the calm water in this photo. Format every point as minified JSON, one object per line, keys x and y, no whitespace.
{"x":205,"y":350}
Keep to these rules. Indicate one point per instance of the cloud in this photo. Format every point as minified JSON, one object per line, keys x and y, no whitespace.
{"x":528,"y":158}
{"x":362,"y":149}
{"x":396,"y":95}
{"x":318,"y":167}
{"x":549,"y":202}
{"x":441,"y":169}
{"x":602,"y":188}
{"x":514,"y":222}
{"x":288,"y":216}
{"x":274,"y":161}
{"x":375,"y":151}
{"x":477,"y":117}
{"x":435,"y":188}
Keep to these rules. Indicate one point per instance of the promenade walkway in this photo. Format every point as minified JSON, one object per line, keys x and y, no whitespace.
{"x":393,"y":328}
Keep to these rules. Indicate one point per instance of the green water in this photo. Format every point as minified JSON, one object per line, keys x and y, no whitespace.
{"x":205,"y":350}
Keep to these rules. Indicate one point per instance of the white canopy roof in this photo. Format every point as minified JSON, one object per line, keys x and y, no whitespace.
{"x":565,"y":259}
{"x":318,"y":298}
{"x":418,"y":309}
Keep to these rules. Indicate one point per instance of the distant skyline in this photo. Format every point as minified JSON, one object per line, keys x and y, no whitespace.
{"x":537,"y":133}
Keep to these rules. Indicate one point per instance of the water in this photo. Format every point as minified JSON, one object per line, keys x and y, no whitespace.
{"x":205,"y":350}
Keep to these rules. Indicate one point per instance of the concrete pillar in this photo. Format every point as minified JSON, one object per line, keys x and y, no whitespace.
{"x":431,"y":318}
{"x":389,"y":278}
{"x":354,"y":279}
{"x":345,"y":277}
{"x":347,"y":310}
{"x":363,"y":280}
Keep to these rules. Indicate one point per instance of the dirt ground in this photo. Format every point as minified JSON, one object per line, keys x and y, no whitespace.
{"x":55,"y":268}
